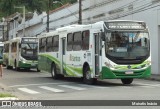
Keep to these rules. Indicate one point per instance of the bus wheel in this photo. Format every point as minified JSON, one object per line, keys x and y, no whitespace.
{"x":127,"y":80}
{"x":15,"y":66}
{"x":54,"y":71}
{"x":38,"y":70}
{"x":87,"y":76}
{"x":7,"y":64}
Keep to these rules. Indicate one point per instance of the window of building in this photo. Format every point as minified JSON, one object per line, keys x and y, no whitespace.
{"x":69,"y":41}
{"x":49,"y":44}
{"x":55,"y":43}
{"x":85,"y":40}
{"x":77,"y":41}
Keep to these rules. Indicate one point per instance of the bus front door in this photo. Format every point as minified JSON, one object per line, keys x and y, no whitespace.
{"x":63,"y":62}
{"x":97,"y":52}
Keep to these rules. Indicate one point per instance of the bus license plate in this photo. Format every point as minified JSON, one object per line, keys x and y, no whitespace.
{"x":33,"y":64}
{"x":129,"y":72}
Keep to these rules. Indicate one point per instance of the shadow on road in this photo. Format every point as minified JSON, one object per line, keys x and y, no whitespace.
{"x":102,"y":83}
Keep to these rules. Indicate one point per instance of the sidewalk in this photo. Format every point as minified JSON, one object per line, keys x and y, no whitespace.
{"x":5,"y":90}
{"x":154,"y":77}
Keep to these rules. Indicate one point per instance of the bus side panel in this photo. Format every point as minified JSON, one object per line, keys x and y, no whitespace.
{"x":74,"y":64}
{"x":41,"y":62}
{"x":45,"y":62}
{"x":5,"y":58}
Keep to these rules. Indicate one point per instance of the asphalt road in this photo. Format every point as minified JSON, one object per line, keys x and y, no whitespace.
{"x":32,"y":85}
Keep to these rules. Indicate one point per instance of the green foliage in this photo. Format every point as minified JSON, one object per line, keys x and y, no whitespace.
{"x":6,"y":95}
{"x":7,"y":6}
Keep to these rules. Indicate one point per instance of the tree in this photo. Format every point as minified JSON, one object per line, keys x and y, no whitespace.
{"x":7,"y":6}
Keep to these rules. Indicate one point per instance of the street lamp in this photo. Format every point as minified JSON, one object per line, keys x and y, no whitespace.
{"x":23,"y":18}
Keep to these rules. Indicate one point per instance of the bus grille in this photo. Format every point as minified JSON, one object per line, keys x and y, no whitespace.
{"x":135,"y":73}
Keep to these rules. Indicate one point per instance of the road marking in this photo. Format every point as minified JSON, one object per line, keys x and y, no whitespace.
{"x":147,"y":86}
{"x":51,"y":89}
{"x":34,"y":84}
{"x":74,"y":72}
{"x":152,"y":85}
{"x":127,"y":87}
{"x":72,"y":87}
{"x":28,"y":90}
{"x":85,"y":85}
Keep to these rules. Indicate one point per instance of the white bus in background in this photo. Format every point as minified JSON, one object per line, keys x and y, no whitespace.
{"x":21,"y":52}
{"x":1,"y":52}
{"x":103,"y":50}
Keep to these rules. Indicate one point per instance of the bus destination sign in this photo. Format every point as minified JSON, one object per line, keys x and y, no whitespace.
{"x":29,"y":40}
{"x":125,"y":25}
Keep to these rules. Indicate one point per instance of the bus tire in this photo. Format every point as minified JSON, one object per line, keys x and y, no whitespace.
{"x":54,"y":71}
{"x":7,"y":66}
{"x":15,"y":66}
{"x":127,"y":80}
{"x":38,"y":70}
{"x":87,"y":76}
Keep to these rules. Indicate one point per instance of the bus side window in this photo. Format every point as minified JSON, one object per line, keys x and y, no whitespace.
{"x":85,"y":40}
{"x":14,"y":47}
{"x":55,"y":43}
{"x":42,"y":45}
{"x":69,"y":42}
{"x":5,"y":48}
{"x":77,"y":43}
{"x":49,"y":44}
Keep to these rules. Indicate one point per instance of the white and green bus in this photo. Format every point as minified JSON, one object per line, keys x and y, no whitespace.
{"x":1,"y":52}
{"x":21,"y":52}
{"x":103,"y":50}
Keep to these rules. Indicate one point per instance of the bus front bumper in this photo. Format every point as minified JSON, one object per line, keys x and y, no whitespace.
{"x":28,"y":65}
{"x":115,"y":74}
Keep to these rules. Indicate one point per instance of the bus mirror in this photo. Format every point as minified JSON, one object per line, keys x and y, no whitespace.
{"x":102,"y":34}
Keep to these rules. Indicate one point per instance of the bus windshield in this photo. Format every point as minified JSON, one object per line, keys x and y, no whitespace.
{"x":29,"y":51}
{"x":127,"y":47}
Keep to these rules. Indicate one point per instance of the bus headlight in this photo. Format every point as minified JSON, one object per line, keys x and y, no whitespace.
{"x":22,"y":60}
{"x":108,"y":65}
{"x":148,"y":63}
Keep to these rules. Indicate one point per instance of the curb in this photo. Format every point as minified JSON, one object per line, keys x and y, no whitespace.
{"x":9,"y":98}
{"x":154,"y":79}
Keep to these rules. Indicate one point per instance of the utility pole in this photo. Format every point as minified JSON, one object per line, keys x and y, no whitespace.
{"x":47,"y":28}
{"x":80,"y":12}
